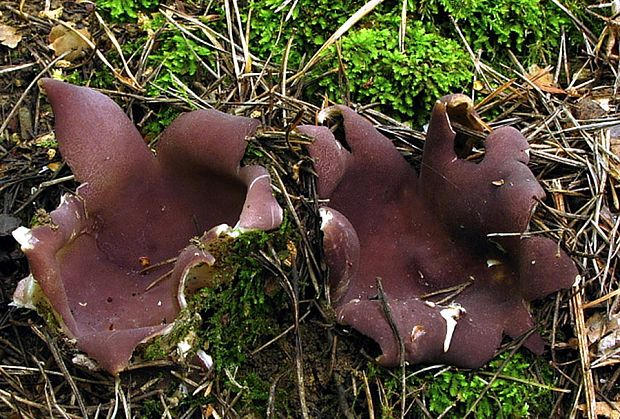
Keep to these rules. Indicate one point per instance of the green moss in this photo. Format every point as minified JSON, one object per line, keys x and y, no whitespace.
{"x":237,"y":316}
{"x":179,"y":57}
{"x":374,"y":69}
{"x":159,"y":122}
{"x":152,"y":409}
{"x":406,"y":83}
{"x":239,"y":312}
{"x":531,"y":28}
{"x":433,"y":62}
{"x":125,"y":10}
{"x":158,"y":348}
{"x":517,"y":392}
{"x":505,"y":398}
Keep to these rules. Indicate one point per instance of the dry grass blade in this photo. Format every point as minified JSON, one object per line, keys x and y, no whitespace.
{"x":119,"y":50}
{"x":27,"y":90}
{"x":61,"y":364}
{"x":356,"y":17}
{"x":602,"y":299}
{"x":402,"y":29}
{"x":584,"y":357}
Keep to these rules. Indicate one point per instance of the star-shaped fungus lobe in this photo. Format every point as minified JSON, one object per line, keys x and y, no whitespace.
{"x":133,"y":210}
{"x":434,"y":267}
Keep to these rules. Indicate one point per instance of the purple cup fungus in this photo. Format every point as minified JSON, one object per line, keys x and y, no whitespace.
{"x":98,"y":264}
{"x":435,"y":268}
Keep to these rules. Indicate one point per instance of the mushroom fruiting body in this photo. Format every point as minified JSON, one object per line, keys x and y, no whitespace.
{"x":114,"y":262}
{"x":448,"y":246}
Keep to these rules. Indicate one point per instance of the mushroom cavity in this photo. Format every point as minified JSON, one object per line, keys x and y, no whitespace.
{"x":115,"y":262}
{"x":437,"y":265}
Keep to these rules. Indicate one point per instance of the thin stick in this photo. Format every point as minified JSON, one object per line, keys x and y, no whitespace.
{"x":356,"y":17}
{"x":602,"y":299}
{"x":34,"y":81}
{"x":457,"y":288}
{"x":160,"y":279}
{"x":157,"y":265}
{"x":401,"y":345}
{"x":584,"y":355}
{"x":63,"y":368}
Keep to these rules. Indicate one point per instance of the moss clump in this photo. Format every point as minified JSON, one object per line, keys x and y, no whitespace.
{"x":406,"y":83}
{"x":237,"y":316}
{"x":152,"y":409}
{"x":522,"y":389}
{"x":371,"y":67}
{"x":509,"y":396}
{"x":530,"y":28}
{"x":126,"y":10}
{"x":240,"y":315}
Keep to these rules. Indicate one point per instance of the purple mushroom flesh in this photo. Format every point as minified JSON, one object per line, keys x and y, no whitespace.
{"x":135,"y":209}
{"x":448,"y":246}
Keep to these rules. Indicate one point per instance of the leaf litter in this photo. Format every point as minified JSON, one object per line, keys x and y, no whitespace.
{"x":569,"y":113}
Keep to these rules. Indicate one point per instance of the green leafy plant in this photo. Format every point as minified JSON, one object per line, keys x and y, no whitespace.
{"x":407,"y":83}
{"x":521,"y":389}
{"x":515,"y":393}
{"x":239,"y":312}
{"x":375,"y":70}
{"x":529,"y":27}
{"x":123,"y":10}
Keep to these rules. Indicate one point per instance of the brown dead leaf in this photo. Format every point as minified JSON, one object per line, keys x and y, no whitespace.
{"x":54,"y":166}
{"x":63,"y":39}
{"x":589,"y":108}
{"x":51,"y":14}
{"x":609,"y":344}
{"x":9,"y":36}
{"x":604,"y":409}
{"x":595,"y":327}
{"x":543,"y":79}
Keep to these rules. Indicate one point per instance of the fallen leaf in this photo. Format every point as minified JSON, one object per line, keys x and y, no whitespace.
{"x":9,"y":36}
{"x":55,"y":166}
{"x":51,"y":14}
{"x":595,"y":326}
{"x":607,"y":410}
{"x":609,"y":344}
{"x":543,"y":79}
{"x":64,"y":39}
{"x":588,"y":108}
